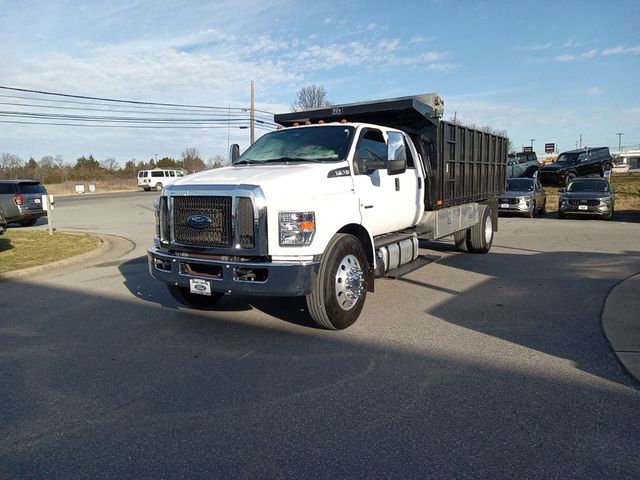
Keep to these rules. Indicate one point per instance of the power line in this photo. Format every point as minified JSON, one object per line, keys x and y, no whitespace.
{"x":202,"y":127}
{"x":114,"y":100}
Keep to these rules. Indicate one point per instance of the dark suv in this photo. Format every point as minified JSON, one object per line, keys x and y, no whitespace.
{"x":21,"y":201}
{"x":576,"y":163}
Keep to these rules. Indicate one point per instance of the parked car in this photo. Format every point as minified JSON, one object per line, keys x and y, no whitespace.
{"x":576,"y":163}
{"x":587,"y":196}
{"x":522,"y":164}
{"x":621,"y":165}
{"x":21,"y":201}
{"x":3,"y":222}
{"x":157,"y":178}
{"x":523,"y":196}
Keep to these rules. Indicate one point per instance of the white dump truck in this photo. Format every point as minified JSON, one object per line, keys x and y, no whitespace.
{"x":323,"y":206}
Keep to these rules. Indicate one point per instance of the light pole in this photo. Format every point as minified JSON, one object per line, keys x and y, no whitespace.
{"x":619,"y":142}
{"x":532,"y":140}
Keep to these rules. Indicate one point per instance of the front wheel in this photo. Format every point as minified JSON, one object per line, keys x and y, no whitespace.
{"x":340,"y":288}
{"x":185,"y":297}
{"x":158,"y":187}
{"x":569,"y":178}
{"x":481,"y":237}
{"x":532,"y":212}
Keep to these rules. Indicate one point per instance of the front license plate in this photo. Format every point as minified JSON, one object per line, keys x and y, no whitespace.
{"x":583,"y":207}
{"x":504,"y":205}
{"x":199,"y":286}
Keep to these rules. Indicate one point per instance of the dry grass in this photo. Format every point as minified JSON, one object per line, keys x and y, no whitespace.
{"x":101,"y":186}
{"x":21,"y":248}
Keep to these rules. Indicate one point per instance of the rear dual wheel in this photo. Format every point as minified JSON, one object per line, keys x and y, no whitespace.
{"x":478,"y":238}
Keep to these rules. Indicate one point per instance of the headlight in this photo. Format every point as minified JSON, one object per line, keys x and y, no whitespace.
{"x":296,"y":229}
{"x":523,"y":201}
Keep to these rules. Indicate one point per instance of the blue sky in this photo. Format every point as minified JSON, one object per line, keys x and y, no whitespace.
{"x":548,"y":71}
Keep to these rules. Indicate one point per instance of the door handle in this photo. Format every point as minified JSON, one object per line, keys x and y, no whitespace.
{"x":397,"y":184}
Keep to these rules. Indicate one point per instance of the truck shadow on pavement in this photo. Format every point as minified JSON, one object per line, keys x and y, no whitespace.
{"x":110,"y":386}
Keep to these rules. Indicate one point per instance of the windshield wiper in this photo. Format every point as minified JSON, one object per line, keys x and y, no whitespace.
{"x":245,"y":162}
{"x":292,"y":159}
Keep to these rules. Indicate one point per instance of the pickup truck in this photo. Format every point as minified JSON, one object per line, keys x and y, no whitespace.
{"x":322,"y":207}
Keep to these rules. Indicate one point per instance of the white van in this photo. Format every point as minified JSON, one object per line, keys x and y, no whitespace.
{"x":157,"y":178}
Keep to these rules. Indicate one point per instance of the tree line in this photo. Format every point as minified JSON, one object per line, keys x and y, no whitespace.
{"x":53,"y":169}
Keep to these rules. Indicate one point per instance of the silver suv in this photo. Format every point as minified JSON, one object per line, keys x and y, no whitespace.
{"x":21,"y":201}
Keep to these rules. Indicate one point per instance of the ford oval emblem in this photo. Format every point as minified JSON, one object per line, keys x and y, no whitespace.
{"x":199,"y":221}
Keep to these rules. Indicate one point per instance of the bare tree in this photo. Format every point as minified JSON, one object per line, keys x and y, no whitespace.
{"x":216,"y":161}
{"x":10,"y":165}
{"x":312,"y":96}
{"x":111,"y":164}
{"x":191,"y":160}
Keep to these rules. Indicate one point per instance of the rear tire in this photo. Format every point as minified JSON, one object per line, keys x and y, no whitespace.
{"x":481,"y":237}
{"x":184,"y":296}
{"x":340,"y":289}
{"x":158,"y":187}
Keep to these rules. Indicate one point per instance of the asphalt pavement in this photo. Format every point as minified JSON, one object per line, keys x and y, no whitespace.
{"x":621,"y":323}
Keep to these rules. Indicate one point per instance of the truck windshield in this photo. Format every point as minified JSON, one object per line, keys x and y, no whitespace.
{"x":323,"y":143}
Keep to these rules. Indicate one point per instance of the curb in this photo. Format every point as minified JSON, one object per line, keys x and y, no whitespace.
{"x":104,"y":246}
{"x":621,"y":323}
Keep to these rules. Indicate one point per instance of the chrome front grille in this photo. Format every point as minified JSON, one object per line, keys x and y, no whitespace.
{"x":217,"y":209}
{"x":510,"y":201}
{"x":245,"y":223}
{"x":591,"y":203}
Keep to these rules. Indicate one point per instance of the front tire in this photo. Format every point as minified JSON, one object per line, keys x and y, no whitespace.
{"x":340,"y":288}
{"x":185,"y":297}
{"x":158,"y":187}
{"x":532,"y":212}
{"x":569,"y":178}
{"x":481,"y":237}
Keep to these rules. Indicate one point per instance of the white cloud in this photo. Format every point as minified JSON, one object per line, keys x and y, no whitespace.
{"x":534,"y":47}
{"x":567,"y":57}
{"x":371,"y":27}
{"x":593,"y":91}
{"x":619,"y":50}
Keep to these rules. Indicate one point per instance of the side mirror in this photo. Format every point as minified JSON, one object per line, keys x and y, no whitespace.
{"x":562,"y":190}
{"x":234,"y":153}
{"x":396,"y":154}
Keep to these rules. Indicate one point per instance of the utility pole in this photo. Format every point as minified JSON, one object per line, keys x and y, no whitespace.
{"x":532,"y":140}
{"x":252,"y":112}
{"x":580,"y":140}
{"x":619,"y":142}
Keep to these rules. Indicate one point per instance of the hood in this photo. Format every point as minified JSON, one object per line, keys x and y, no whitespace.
{"x":586,"y":195}
{"x":514,"y":194}
{"x":275,"y":179}
{"x":554,"y":168}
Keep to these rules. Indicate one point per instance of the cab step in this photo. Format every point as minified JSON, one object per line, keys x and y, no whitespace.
{"x":419,"y":262}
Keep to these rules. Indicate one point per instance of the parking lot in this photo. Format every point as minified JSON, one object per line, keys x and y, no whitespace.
{"x":479,"y":366}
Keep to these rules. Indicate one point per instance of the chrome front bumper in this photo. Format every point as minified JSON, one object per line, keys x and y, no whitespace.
{"x":285,"y":279}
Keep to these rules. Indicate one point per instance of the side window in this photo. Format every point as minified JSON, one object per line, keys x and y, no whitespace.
{"x":172,"y":173}
{"x":371,"y":149}
{"x":157,"y":174}
{"x":6,"y":188}
{"x":410,"y":161}
{"x":180,"y":174}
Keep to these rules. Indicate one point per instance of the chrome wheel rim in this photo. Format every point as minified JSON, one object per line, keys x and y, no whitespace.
{"x":349,"y":284}
{"x":488,"y":230}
